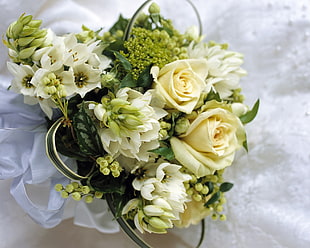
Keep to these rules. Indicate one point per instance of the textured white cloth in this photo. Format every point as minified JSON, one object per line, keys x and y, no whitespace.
{"x":269,"y":204}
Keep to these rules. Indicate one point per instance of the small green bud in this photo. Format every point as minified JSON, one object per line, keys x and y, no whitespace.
{"x":64,"y":194}
{"x":108,"y":158}
{"x":222,"y":217}
{"x":219,"y":208}
{"x":25,"y":19}
{"x":105,"y":171}
{"x":98,"y":195}
{"x":158,"y":223}
{"x":214,"y":216}
{"x":37,"y":42}
{"x":89,"y":199}
{"x":69,"y":188}
{"x":58,"y":187}
{"x":75,"y":185}
{"x":24,"y":41}
{"x":222,"y":200}
{"x":190,"y":191}
{"x":205,"y":190}
{"x":85,"y":190}
{"x":182,"y":125}
{"x":186,"y":185}
{"x":154,"y":9}
{"x":198,"y":186}
{"x":76,"y":196}
{"x":27,"y":52}
{"x":116,"y":173}
{"x":197,"y":197}
{"x":35,"y":23}
{"x":194,"y":179}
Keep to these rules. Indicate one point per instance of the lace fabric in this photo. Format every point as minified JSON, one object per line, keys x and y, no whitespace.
{"x":269,"y":204}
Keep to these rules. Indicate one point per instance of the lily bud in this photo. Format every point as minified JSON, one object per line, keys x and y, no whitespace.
{"x":159,"y":223}
{"x":182,"y":125}
{"x":153,"y":210}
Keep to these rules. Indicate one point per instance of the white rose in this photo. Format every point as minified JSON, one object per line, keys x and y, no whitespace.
{"x":181,"y":83}
{"x":210,"y":142}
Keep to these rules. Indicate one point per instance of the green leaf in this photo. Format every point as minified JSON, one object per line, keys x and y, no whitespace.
{"x":226,"y":187}
{"x":245,"y":145}
{"x":212,"y":95}
{"x":107,"y":184}
{"x":166,"y":152}
{"x":121,"y":24}
{"x":210,"y":186}
{"x":213,"y":198}
{"x":86,"y":133}
{"x":124,"y":62}
{"x":145,"y":79}
{"x":128,"y":81}
{"x":250,"y":115}
{"x":117,"y":45}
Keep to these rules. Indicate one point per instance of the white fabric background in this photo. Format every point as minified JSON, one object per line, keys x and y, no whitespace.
{"x":269,"y":205}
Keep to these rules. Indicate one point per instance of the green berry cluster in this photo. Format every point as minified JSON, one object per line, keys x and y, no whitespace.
{"x":108,"y":165}
{"x":152,"y":47}
{"x":209,"y":190}
{"x":78,"y":191}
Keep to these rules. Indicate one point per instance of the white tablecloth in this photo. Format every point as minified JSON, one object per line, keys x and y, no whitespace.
{"x":269,"y":204}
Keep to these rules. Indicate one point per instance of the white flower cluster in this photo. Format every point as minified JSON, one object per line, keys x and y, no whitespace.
{"x":163,"y":197}
{"x":224,"y":71}
{"x":60,"y":70}
{"x":130,"y":125}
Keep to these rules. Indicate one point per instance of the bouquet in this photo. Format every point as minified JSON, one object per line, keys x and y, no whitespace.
{"x":151,"y":117}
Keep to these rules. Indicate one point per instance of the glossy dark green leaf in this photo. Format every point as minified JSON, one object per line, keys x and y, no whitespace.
{"x":212,"y":95}
{"x":145,"y":79}
{"x":166,"y":152}
{"x":250,"y":115}
{"x":226,"y":186}
{"x":128,"y":81}
{"x":124,"y":62}
{"x":121,"y":24}
{"x":213,"y":198}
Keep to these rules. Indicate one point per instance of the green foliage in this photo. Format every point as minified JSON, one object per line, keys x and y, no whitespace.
{"x":145,"y":79}
{"x":250,"y":115}
{"x":67,"y":146}
{"x":212,"y":95}
{"x":121,"y":24}
{"x":128,"y":81}
{"x":124,"y":62}
{"x":226,"y":186}
{"x":86,"y":133}
{"x":213,"y":199}
{"x":107,"y":184}
{"x":166,"y":152}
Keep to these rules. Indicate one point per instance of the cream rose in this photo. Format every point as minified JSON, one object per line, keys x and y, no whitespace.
{"x":210,"y":142}
{"x":181,"y":83}
{"x":193,"y":214}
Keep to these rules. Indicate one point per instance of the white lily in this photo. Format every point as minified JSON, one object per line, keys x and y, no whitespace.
{"x":133,"y":133}
{"x":23,"y":78}
{"x":75,"y":53}
{"x":86,"y":78}
{"x":224,"y":67}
